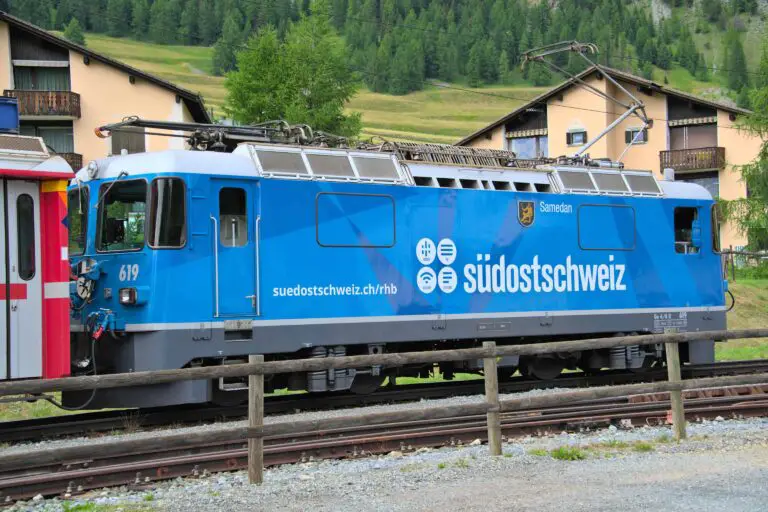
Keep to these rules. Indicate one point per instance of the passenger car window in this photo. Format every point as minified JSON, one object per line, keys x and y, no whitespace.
{"x":77,"y":214}
{"x":122,"y":210}
{"x":167,"y":218}
{"x":233,"y":217}
{"x":25,"y":226}
{"x":687,"y":231}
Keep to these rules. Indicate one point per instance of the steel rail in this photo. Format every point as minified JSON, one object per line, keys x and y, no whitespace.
{"x":141,"y":469}
{"x":131,"y":419}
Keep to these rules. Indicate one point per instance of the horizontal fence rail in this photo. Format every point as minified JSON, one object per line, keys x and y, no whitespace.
{"x":399,"y":359}
{"x":45,"y":456}
{"x":492,"y":406}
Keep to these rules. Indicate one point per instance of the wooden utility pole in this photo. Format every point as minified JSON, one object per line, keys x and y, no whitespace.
{"x":492,"y":398}
{"x":256,"y":421}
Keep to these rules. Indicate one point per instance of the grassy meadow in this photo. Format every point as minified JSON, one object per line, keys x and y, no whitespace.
{"x":437,"y":114}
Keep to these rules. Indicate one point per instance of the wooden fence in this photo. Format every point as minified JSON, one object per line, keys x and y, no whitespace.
{"x":746,"y":259}
{"x":256,"y":368}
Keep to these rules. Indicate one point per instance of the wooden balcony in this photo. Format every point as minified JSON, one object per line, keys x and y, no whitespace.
{"x":699,"y":159}
{"x":75,"y":160}
{"x":46,"y":104}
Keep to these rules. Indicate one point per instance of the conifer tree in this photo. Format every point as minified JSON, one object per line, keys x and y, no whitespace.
{"x":230,"y":42}
{"x":74,"y":32}
{"x":140,"y":19}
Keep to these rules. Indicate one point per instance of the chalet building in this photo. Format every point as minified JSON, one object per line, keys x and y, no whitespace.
{"x":65,"y":91}
{"x":697,"y":138}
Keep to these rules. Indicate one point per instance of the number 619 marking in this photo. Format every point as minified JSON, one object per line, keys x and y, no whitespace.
{"x":129,"y":272}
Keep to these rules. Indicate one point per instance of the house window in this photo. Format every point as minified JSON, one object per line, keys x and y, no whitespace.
{"x":576,"y":138}
{"x":41,"y":78}
{"x":530,"y":147}
{"x":129,"y":139}
{"x":709,"y":180}
{"x":58,"y":138}
{"x":636,"y":136}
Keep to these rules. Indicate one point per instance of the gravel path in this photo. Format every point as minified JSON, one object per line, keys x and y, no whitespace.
{"x":723,"y":466}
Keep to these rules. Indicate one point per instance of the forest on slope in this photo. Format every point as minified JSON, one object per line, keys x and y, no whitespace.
{"x":397,"y":45}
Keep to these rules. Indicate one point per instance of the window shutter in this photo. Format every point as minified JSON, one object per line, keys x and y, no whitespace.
{"x":645,"y":135}
{"x":627,"y":136}
{"x":568,"y":138}
{"x":585,"y":137}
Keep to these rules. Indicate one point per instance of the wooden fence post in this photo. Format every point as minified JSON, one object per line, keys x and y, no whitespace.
{"x":492,"y":398}
{"x":256,"y":420}
{"x":675,"y":397}
{"x":733,"y":264}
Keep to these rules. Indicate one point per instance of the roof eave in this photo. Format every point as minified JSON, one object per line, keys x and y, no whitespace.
{"x":193,"y":100}
{"x":615,"y":74}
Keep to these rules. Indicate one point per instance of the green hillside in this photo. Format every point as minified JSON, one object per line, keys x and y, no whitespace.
{"x":436,"y":114}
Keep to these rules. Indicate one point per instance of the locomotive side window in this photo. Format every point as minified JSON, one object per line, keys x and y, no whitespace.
{"x":77,"y":213}
{"x":25,"y":209}
{"x":233,"y":220}
{"x":687,"y":231}
{"x":168,"y":216}
{"x":715,"y":226}
{"x":122,"y":208}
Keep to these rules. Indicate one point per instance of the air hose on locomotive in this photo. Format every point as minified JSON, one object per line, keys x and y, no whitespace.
{"x":96,"y":323}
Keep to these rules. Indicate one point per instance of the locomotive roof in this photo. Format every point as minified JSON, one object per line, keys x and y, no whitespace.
{"x":326,"y":164}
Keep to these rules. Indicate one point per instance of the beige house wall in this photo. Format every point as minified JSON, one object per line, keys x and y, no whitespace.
{"x":107,"y":96}
{"x":6,"y":78}
{"x":496,"y":140}
{"x":740,"y":148}
{"x":639,"y":155}
{"x":591,"y":115}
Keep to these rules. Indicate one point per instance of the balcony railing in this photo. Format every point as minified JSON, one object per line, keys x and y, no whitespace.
{"x":75,"y":160}
{"x":46,"y":103}
{"x":699,"y":159}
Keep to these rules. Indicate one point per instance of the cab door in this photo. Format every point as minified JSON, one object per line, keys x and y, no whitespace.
{"x":235,"y":247}
{"x":23,"y":281}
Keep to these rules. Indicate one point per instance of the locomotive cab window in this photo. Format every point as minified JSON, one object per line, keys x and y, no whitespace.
{"x":77,"y":213}
{"x":233,"y":220}
{"x":122,"y":209}
{"x":687,"y":230}
{"x":167,"y":218}
{"x":715,"y":226}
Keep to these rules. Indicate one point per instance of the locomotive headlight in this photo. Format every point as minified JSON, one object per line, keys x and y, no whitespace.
{"x":128,"y":296}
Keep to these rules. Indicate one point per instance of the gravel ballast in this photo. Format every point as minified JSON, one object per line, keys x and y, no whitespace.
{"x":723,"y":466}
{"x":296,"y":416}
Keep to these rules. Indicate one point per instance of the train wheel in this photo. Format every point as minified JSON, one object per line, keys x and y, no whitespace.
{"x":544,"y":368}
{"x":365,"y":384}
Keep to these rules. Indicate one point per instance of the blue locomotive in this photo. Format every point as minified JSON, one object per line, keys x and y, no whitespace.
{"x":190,"y":258}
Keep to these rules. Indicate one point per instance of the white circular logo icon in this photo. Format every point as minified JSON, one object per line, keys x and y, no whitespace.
{"x":426,"y":280}
{"x":425,"y":251}
{"x":447,"y":279}
{"x":446,"y":251}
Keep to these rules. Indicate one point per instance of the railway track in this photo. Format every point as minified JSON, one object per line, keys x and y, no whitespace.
{"x":133,"y":419}
{"x":143,"y":469}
